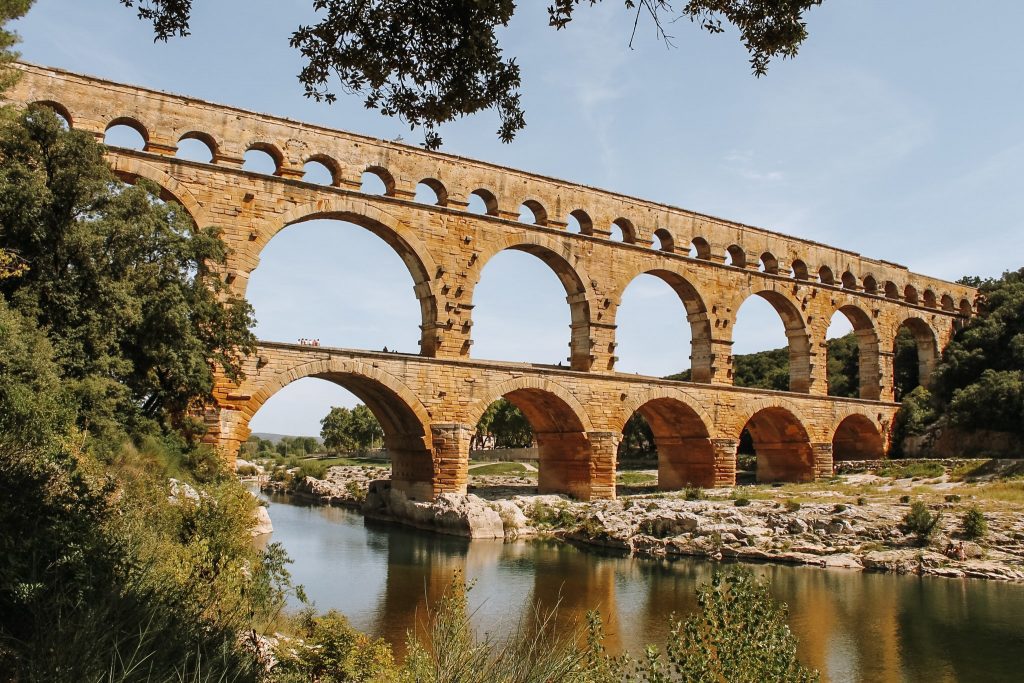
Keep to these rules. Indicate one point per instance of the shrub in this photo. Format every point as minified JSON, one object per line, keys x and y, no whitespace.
{"x":742,"y":502}
{"x":792,"y":505}
{"x":355,"y":491}
{"x":904,"y":499}
{"x":694,"y":493}
{"x":920,"y":522}
{"x":332,"y":651}
{"x":839,"y":508}
{"x":551,"y":516}
{"x":246,"y":471}
{"x":953,"y":498}
{"x":973,"y":523}
{"x":861,"y":500}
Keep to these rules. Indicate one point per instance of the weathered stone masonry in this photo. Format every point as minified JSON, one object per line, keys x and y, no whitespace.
{"x":429,"y":404}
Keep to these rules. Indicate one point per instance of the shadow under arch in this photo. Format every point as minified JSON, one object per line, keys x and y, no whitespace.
{"x":414,"y":254}
{"x":682,"y":436}
{"x":868,"y":366}
{"x":927,"y":346}
{"x":857,"y":437}
{"x":781,"y":444}
{"x":799,"y":339}
{"x":560,"y":424}
{"x":696,"y":314}
{"x":402,"y":416}
{"x":556,"y":256}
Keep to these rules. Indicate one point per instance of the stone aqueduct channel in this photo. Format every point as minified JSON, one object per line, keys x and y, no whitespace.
{"x":429,"y":403}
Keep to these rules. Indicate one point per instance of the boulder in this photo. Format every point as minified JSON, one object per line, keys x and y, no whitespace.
{"x":665,"y":523}
{"x":261,"y":522}
{"x":512,"y":518}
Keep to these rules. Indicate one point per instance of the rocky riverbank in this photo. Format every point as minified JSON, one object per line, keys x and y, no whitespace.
{"x":827,"y":524}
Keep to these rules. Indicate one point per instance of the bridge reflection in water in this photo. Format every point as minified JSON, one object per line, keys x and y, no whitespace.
{"x":851,"y":626}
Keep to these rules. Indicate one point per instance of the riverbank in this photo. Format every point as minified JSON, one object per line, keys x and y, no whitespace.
{"x":854,"y":521}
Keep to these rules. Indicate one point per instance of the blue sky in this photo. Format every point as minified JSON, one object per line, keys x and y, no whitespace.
{"x":898,"y":132}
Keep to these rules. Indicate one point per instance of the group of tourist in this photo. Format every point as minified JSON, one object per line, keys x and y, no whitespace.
{"x":309,"y":342}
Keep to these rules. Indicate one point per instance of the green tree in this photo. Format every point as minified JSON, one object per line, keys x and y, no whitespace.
{"x":9,"y":11}
{"x":433,"y":61}
{"x":844,"y":366}
{"x":980,"y":378}
{"x":637,"y":437}
{"x":507,"y":423}
{"x":121,"y":281}
{"x":906,"y":371}
{"x":348,"y":430}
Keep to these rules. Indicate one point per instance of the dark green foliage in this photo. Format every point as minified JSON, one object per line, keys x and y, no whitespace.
{"x":973,"y":524}
{"x":792,"y":506}
{"x":762,"y":370}
{"x":9,"y":11}
{"x":346,"y":430}
{"x":920,"y":522}
{"x":906,"y":370}
{"x":915,"y":415}
{"x":507,"y":424}
{"x":120,"y":281}
{"x":917,"y":470}
{"x":637,"y":438}
{"x":742,"y":502}
{"x":844,"y":366}
{"x":694,"y":493}
{"x":434,"y":61}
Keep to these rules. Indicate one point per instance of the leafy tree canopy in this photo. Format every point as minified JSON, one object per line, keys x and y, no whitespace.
{"x":433,"y":61}
{"x":120,"y":281}
{"x":507,"y":424}
{"x":349,"y":430}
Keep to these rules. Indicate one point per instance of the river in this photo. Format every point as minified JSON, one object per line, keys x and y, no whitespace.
{"x":851,"y":626}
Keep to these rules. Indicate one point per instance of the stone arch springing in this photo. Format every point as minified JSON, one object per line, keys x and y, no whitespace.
{"x":130,"y":123}
{"x":129,"y":170}
{"x":799,"y":270}
{"x":682,"y":438}
{"x":736,"y":256}
{"x":438,"y":189}
{"x":560,"y":425}
{"x":768,"y":263}
{"x":573,"y":280}
{"x":401,"y":414}
{"x":797,"y":336}
{"x":868,"y":351}
{"x":781,"y":445}
{"x":399,"y":237}
{"x":701,"y":357}
{"x":664,"y":241}
{"x":57,"y":108}
{"x":583,"y":220}
{"x":857,"y":437}
{"x":488,"y":202}
{"x":927,"y":352}
{"x":700,"y":249}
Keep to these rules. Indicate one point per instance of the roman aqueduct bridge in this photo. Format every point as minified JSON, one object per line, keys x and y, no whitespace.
{"x":429,"y":403}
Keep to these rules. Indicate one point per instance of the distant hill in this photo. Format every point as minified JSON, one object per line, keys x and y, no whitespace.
{"x":276,"y":438}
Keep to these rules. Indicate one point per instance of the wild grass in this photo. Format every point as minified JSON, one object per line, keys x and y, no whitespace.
{"x":500,"y":468}
{"x":635,"y":478}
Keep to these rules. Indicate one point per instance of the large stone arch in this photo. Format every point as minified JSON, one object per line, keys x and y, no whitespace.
{"x":782,"y":441}
{"x":560,"y":426}
{"x":682,"y":432}
{"x":403,"y":417}
{"x":399,"y":236}
{"x":868,"y":364}
{"x":857,"y":437}
{"x":559,"y":256}
{"x":130,"y":169}
{"x":701,"y":355}
{"x":797,"y":334}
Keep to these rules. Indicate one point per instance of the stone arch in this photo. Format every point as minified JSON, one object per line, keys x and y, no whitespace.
{"x":560,"y":425}
{"x":857,"y":437}
{"x":540,"y":214}
{"x":738,"y":256}
{"x":396,"y":234}
{"x":947,"y":303}
{"x":384,"y":175}
{"x":57,"y":108}
{"x":965,"y":308}
{"x":489,"y":200}
{"x":870,"y":284}
{"x":910,"y":294}
{"x":402,"y":416}
{"x":868,"y":351}
{"x":849,"y":281}
{"x":796,"y":332}
{"x":439,"y":190}
{"x":701,"y":248}
{"x":769,"y":263}
{"x":627,"y":228}
{"x":271,"y":150}
{"x":585,"y":221}
{"x":206,"y":139}
{"x":556,"y":255}
{"x":781,"y":443}
{"x":799,"y":270}
{"x":825,"y":276}
{"x":930,"y":300}
{"x":666,"y":242}
{"x":891,"y":290}
{"x":701,"y":356}
{"x":328,"y":162}
{"x":129,"y":169}
{"x":927,"y":348}
{"x":130,"y":122}
{"x":682,"y":435}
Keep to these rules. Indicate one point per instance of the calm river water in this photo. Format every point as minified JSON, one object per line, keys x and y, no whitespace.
{"x":852,"y":626}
